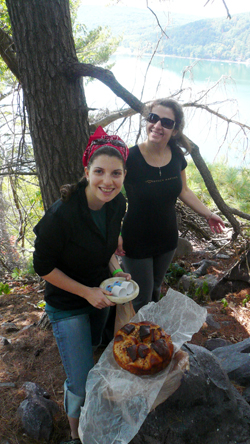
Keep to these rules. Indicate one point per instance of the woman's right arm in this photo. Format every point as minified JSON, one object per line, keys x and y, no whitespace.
{"x":94,"y":295}
{"x":119,"y":251}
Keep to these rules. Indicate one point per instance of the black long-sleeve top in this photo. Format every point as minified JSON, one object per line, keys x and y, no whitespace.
{"x":68,"y":239}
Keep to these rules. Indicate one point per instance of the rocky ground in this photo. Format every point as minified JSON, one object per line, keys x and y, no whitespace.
{"x":31,"y":354}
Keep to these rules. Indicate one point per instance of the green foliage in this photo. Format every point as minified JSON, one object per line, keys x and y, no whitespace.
{"x":224,"y":302}
{"x":31,"y":205}
{"x":201,"y":293}
{"x":41,"y":304}
{"x":16,"y":274}
{"x":175,"y":271}
{"x":7,"y":78}
{"x":4,"y":17}
{"x":138,"y":26}
{"x":4,"y":288}
{"x":211,"y":39}
{"x":95,"y":46}
{"x":188,"y":36}
{"x":233,"y":184}
{"x":29,"y":267}
{"x":246,"y":300}
{"x":28,"y":270}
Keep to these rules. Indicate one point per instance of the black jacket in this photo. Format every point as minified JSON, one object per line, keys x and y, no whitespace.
{"x":68,"y":239}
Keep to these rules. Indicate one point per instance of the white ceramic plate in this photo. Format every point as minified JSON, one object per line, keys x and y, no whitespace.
{"x":123,"y":299}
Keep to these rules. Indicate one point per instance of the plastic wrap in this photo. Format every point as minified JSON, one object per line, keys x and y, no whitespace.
{"x":118,"y":402}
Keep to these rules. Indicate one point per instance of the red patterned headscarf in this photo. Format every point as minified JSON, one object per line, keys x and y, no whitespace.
{"x":99,"y":139}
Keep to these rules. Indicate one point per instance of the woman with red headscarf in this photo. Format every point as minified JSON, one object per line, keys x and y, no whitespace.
{"x":74,"y":252}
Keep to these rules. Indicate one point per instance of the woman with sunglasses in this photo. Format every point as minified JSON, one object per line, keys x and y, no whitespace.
{"x":74,"y":252}
{"x":155,"y":178}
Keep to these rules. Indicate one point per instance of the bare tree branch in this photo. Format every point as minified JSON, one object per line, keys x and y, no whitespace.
{"x":162,"y":30}
{"x":107,"y":120}
{"x":73,"y":70}
{"x":224,"y":3}
{"x":240,"y":213}
{"x":7,"y":53}
{"x":216,"y":113}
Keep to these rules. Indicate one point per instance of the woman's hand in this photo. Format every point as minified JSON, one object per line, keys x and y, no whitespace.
{"x":119,"y":251}
{"x":96,"y":297}
{"x":123,"y":275}
{"x":216,"y":223}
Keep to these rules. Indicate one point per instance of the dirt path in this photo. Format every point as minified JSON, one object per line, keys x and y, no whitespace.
{"x":32,"y":354}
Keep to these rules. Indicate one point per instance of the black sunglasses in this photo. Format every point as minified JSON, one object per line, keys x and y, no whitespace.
{"x":165,"y":122}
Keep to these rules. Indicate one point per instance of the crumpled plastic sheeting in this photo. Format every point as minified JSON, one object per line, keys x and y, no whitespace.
{"x":118,"y":402}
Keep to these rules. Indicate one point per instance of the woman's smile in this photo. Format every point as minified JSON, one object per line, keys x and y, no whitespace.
{"x":105,"y":179}
{"x":156,"y":132}
{"x":106,"y":190}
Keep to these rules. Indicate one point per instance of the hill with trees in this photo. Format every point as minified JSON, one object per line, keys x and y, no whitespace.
{"x":188,"y":36}
{"x":221,"y":39}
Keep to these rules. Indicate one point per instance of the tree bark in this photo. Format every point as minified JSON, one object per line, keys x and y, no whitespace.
{"x":56,"y":105}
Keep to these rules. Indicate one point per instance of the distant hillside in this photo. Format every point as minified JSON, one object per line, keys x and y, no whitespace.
{"x":137,"y":26}
{"x":219,"y":38}
{"x":211,"y":39}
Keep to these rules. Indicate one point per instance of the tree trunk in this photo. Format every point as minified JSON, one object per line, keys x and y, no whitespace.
{"x":57,"y":109}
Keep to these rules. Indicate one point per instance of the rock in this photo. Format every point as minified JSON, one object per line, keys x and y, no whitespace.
{"x":184,"y":248}
{"x":27,"y":327}
{"x":211,"y":322}
{"x":246,"y":394}
{"x":203,"y":266}
{"x":7,"y":384}
{"x":236,"y":279}
{"x":44,"y":322}
{"x":4,"y":341}
{"x":222,"y":256}
{"x":37,"y":412}
{"x":224,"y":287}
{"x":212,"y":344}
{"x":9,"y":327}
{"x":206,"y":408}
{"x":235,"y":360}
{"x":192,"y":281}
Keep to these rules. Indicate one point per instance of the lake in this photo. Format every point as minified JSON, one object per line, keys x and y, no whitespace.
{"x":230,"y":97}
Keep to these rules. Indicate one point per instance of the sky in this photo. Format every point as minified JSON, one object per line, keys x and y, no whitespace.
{"x":214,"y":8}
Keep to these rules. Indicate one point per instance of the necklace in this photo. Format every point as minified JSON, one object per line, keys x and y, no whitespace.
{"x":154,"y":161}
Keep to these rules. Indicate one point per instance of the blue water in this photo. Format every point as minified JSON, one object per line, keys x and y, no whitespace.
{"x":230,"y":97}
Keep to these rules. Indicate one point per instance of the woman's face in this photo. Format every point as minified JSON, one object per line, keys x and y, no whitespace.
{"x":155,"y":131}
{"x":105,"y":179}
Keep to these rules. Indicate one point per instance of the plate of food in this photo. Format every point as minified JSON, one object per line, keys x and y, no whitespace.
{"x":122,"y":290}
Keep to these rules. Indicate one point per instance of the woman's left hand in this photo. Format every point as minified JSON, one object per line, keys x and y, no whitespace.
{"x":123,"y":275}
{"x":216,"y":223}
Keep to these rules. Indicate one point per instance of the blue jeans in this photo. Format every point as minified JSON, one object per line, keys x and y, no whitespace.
{"x":149,"y":274}
{"x":75,"y":337}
